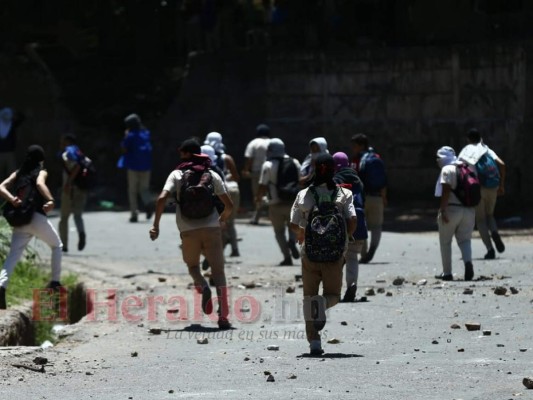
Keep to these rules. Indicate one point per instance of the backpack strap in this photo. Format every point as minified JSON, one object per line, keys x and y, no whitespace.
{"x":313,"y":191}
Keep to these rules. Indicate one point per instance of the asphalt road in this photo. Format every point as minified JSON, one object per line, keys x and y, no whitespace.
{"x":391,"y":347}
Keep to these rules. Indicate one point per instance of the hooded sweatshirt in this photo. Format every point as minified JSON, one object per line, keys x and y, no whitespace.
{"x":307,"y":166}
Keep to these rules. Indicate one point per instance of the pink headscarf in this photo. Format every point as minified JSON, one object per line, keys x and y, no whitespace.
{"x":341,"y":160}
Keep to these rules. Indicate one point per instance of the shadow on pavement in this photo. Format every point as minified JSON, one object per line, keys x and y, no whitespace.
{"x":330,"y":355}
{"x":199,"y":328}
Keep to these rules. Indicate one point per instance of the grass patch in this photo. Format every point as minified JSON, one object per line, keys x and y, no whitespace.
{"x":30,"y":273}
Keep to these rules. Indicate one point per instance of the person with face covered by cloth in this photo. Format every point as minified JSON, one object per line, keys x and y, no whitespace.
{"x":323,"y":218}
{"x":317,"y":147}
{"x":10,"y":121}
{"x":26,"y":189}
{"x":454,"y":218}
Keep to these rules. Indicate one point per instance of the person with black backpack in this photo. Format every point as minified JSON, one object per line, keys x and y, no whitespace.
{"x":459,"y":192}
{"x":491,"y":171}
{"x":74,"y":192}
{"x":28,"y":200}
{"x":323,"y":217}
{"x":199,"y":222}
{"x":279,"y":179}
{"x":371,"y":169}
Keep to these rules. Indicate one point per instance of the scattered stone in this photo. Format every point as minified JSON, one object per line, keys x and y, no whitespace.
{"x":40,"y":360}
{"x":523,"y":350}
{"x":203,"y":341}
{"x":290,"y":289}
{"x":334,"y":341}
{"x":460,"y":350}
{"x":171,"y":391}
{"x":455,"y":326}
{"x":422,"y":282}
{"x":344,"y":323}
{"x":370,"y":292}
{"x":381,"y":290}
{"x":140,"y":326}
{"x":528,"y":383}
{"x":134,"y":354}
{"x":500,"y":291}
{"x":297,"y":278}
{"x":162,"y":279}
{"x":246,"y":358}
{"x":267,"y":373}
{"x":398,"y":281}
{"x":273,"y":347}
{"x":500,"y":345}
{"x":250,"y":285}
{"x":468,"y":291}
{"x":155,"y":331}
{"x":513,"y":290}
{"x":89,"y":373}
{"x":271,"y":378}
{"x":389,"y":325}
{"x":139,"y":288}
{"x":473,"y":326}
{"x":487,"y":333}
{"x":435,"y":342}
{"x":389,"y":294}
{"x":292,"y":376}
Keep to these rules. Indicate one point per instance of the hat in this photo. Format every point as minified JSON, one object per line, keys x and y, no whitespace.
{"x":263,"y":130}
{"x":190,"y":146}
{"x":341,"y":160}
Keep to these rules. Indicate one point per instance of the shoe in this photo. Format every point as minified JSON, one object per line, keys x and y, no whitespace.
{"x":498,"y":242}
{"x":205,"y":264}
{"x":224,"y":324}
{"x":294,"y":249}
{"x":349,"y":296}
{"x":65,"y":249}
{"x":134,"y":218}
{"x":491,"y":255}
{"x":3,"y":302}
{"x":207,"y":304}
{"x":82,"y":241}
{"x":254,"y":222}
{"x":235,"y":253}
{"x":444,"y":277}
{"x":149,"y":212}
{"x":286,"y":263}
{"x":315,"y":348}
{"x":368,"y":256}
{"x":54,"y":285}
{"x":469,"y":271}
{"x":318,"y":312}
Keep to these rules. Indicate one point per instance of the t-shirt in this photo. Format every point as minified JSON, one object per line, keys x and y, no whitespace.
{"x":449,"y":176}
{"x":305,"y":202}
{"x":173,"y":185}
{"x":269,"y":177}
{"x":256,"y":150}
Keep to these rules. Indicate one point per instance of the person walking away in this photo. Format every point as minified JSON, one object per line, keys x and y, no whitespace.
{"x":74,"y":192}
{"x":317,"y":146}
{"x":199,"y":222}
{"x":280,"y":180}
{"x":254,"y":157}
{"x":231,"y":173}
{"x":10,"y":121}
{"x":137,"y":159}
{"x":459,"y":192}
{"x":371,"y":169}
{"x":346,"y":177}
{"x":491,"y":172}
{"x":323,"y":217}
{"x":28,"y":201}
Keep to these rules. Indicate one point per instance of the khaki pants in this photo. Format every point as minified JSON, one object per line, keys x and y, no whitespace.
{"x":207,"y":241}
{"x":138,"y":185}
{"x":485,"y":221}
{"x":374,"y":210}
{"x":230,"y":232}
{"x":8,"y":164}
{"x":280,"y":216}
{"x":460,"y":224}
{"x":255,"y":176}
{"x":72,"y":202}
{"x":330,"y":274}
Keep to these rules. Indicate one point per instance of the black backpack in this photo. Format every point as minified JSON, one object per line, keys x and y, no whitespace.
{"x":87,"y":175}
{"x":197,"y":194}
{"x":25,"y":188}
{"x":287,"y":179}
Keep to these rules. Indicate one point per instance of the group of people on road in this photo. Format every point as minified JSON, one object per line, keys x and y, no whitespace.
{"x":327,"y":210}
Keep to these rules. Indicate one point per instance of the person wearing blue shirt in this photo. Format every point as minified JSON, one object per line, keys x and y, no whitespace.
{"x":137,"y":159}
{"x":73,"y":197}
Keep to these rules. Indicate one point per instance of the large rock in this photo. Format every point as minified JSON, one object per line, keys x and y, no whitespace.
{"x":16,"y":327}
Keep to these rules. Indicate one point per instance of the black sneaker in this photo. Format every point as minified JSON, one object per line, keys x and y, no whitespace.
{"x":205,"y":264}
{"x":82,"y":241}
{"x":498,"y":242}
{"x":65,"y":249}
{"x":134,"y":219}
{"x":3,"y":302}
{"x":318,"y":312}
{"x":286,"y":263}
{"x":491,"y":255}
{"x":294,"y":249}
{"x":349,"y":296}
{"x":368,"y":256}
{"x":444,"y":277}
{"x":469,"y":271}
{"x":207,"y":304}
{"x":224,"y":324}
{"x":54,"y":285}
{"x":235,"y":253}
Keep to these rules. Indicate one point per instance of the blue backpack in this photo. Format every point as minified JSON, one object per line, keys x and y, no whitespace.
{"x":488,"y":172}
{"x":372,"y":172}
{"x":325,"y":234}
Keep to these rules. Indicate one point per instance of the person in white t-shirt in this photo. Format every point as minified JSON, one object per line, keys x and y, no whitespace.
{"x":454,"y":219}
{"x":199,"y":235}
{"x":280,"y":209}
{"x":254,"y":157}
